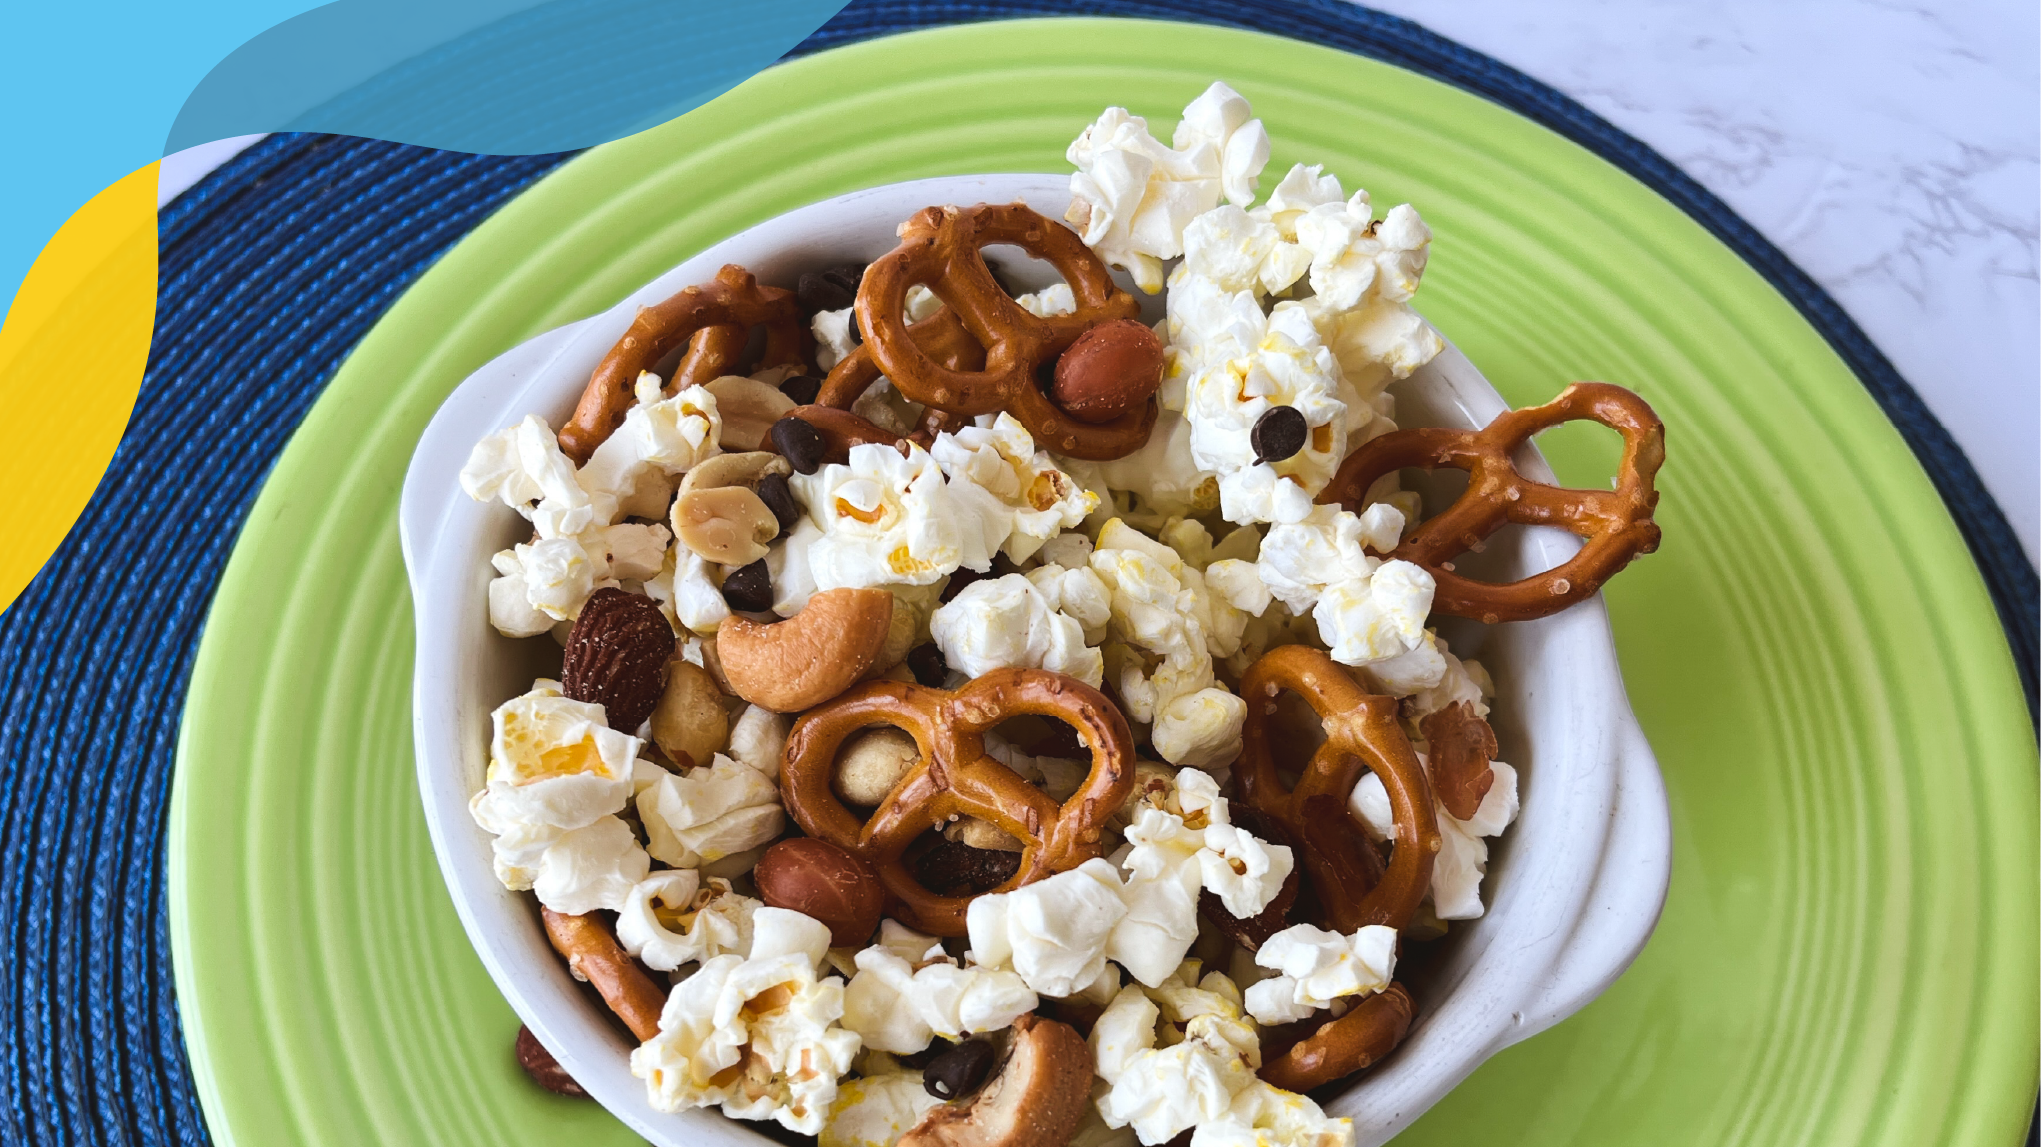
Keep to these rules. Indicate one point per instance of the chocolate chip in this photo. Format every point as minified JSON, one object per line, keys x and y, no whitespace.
{"x":850,"y":276}
{"x":799,"y":444}
{"x":953,"y":868}
{"x":779,"y":498}
{"x":928,"y":666}
{"x":925,"y":1056}
{"x":543,"y":1068}
{"x":851,"y":328}
{"x":830,"y":290}
{"x":959,"y":1071}
{"x":803,"y":389}
{"x":749,"y":589}
{"x":1278,"y":434}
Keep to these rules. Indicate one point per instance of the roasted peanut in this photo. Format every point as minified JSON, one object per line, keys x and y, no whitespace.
{"x":748,"y":409}
{"x":690,"y":724}
{"x":871,"y":763}
{"x":728,"y":525}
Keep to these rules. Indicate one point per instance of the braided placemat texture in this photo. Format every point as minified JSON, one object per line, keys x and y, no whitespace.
{"x":272,"y":268}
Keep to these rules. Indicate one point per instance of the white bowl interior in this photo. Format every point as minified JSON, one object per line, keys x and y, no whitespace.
{"x":1574,"y":887}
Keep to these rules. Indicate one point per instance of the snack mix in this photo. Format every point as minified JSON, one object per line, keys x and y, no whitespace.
{"x":1034,"y":731}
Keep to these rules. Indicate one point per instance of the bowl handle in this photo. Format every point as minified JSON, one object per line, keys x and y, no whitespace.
{"x":1628,"y":894}
{"x":432,"y":483}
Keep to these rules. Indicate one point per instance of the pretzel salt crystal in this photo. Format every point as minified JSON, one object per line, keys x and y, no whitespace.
{"x":1616,"y":523}
{"x":1340,"y":1047}
{"x":956,"y":777}
{"x":1361,"y":730}
{"x":941,"y":248}
{"x":593,"y":954}
{"x":734,"y":299}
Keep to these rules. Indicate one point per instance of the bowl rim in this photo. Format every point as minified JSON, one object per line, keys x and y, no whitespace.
{"x":1589,"y":930}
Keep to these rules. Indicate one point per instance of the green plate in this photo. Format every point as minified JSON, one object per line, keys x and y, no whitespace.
{"x":1849,"y":951}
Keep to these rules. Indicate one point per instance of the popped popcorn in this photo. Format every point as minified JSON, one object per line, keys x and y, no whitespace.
{"x":1156,"y":603}
{"x":636,"y":467}
{"x":1052,"y":932}
{"x":876,"y":1110}
{"x":553,"y":762}
{"x":672,"y":917}
{"x":1265,"y":1116}
{"x":710,"y":813}
{"x":767,"y":1016}
{"x":1163,"y":1090}
{"x":1015,"y":493}
{"x":1132,"y":197}
{"x":898,"y":1003}
{"x":1008,"y":622}
{"x":1367,"y":609}
{"x":594,"y":866}
{"x":884,"y":519}
{"x":1317,"y":967}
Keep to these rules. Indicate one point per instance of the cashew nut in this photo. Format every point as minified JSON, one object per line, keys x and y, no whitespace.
{"x":748,"y":409}
{"x":729,"y":525}
{"x":871,"y":763}
{"x":1037,"y":1100}
{"x":810,"y":657}
{"x":747,"y":469}
{"x":690,"y":724}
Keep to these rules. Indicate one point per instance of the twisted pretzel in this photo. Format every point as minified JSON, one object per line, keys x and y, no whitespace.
{"x":1342,"y":1046}
{"x":955,"y":777}
{"x":1616,"y":523}
{"x":941,"y":337}
{"x":722,"y":312}
{"x":941,"y":248}
{"x":1360,"y":729}
{"x":593,"y":954}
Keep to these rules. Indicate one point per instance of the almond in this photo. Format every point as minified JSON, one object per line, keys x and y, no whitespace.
{"x":543,"y":1068}
{"x":616,"y":657}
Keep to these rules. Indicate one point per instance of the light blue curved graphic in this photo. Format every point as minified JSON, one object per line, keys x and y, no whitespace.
{"x":87,"y":91}
{"x":508,"y":77}
{"x":91,"y":92}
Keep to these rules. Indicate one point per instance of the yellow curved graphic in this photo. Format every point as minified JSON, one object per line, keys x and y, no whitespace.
{"x":71,"y":357}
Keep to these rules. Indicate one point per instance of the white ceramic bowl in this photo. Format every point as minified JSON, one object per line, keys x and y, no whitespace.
{"x":1574,"y":887}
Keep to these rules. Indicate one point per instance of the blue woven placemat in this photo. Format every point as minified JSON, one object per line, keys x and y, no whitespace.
{"x":272,"y":269}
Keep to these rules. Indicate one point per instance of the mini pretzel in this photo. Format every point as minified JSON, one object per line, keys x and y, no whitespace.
{"x":956,"y":777}
{"x":733,"y":301}
{"x":1360,"y":729}
{"x":941,"y":337}
{"x":941,"y":248}
{"x":1459,"y":746}
{"x":1342,"y":1046}
{"x":593,"y":954}
{"x":1616,"y":523}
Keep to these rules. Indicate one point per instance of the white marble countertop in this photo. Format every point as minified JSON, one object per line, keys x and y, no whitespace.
{"x":1889,"y":148}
